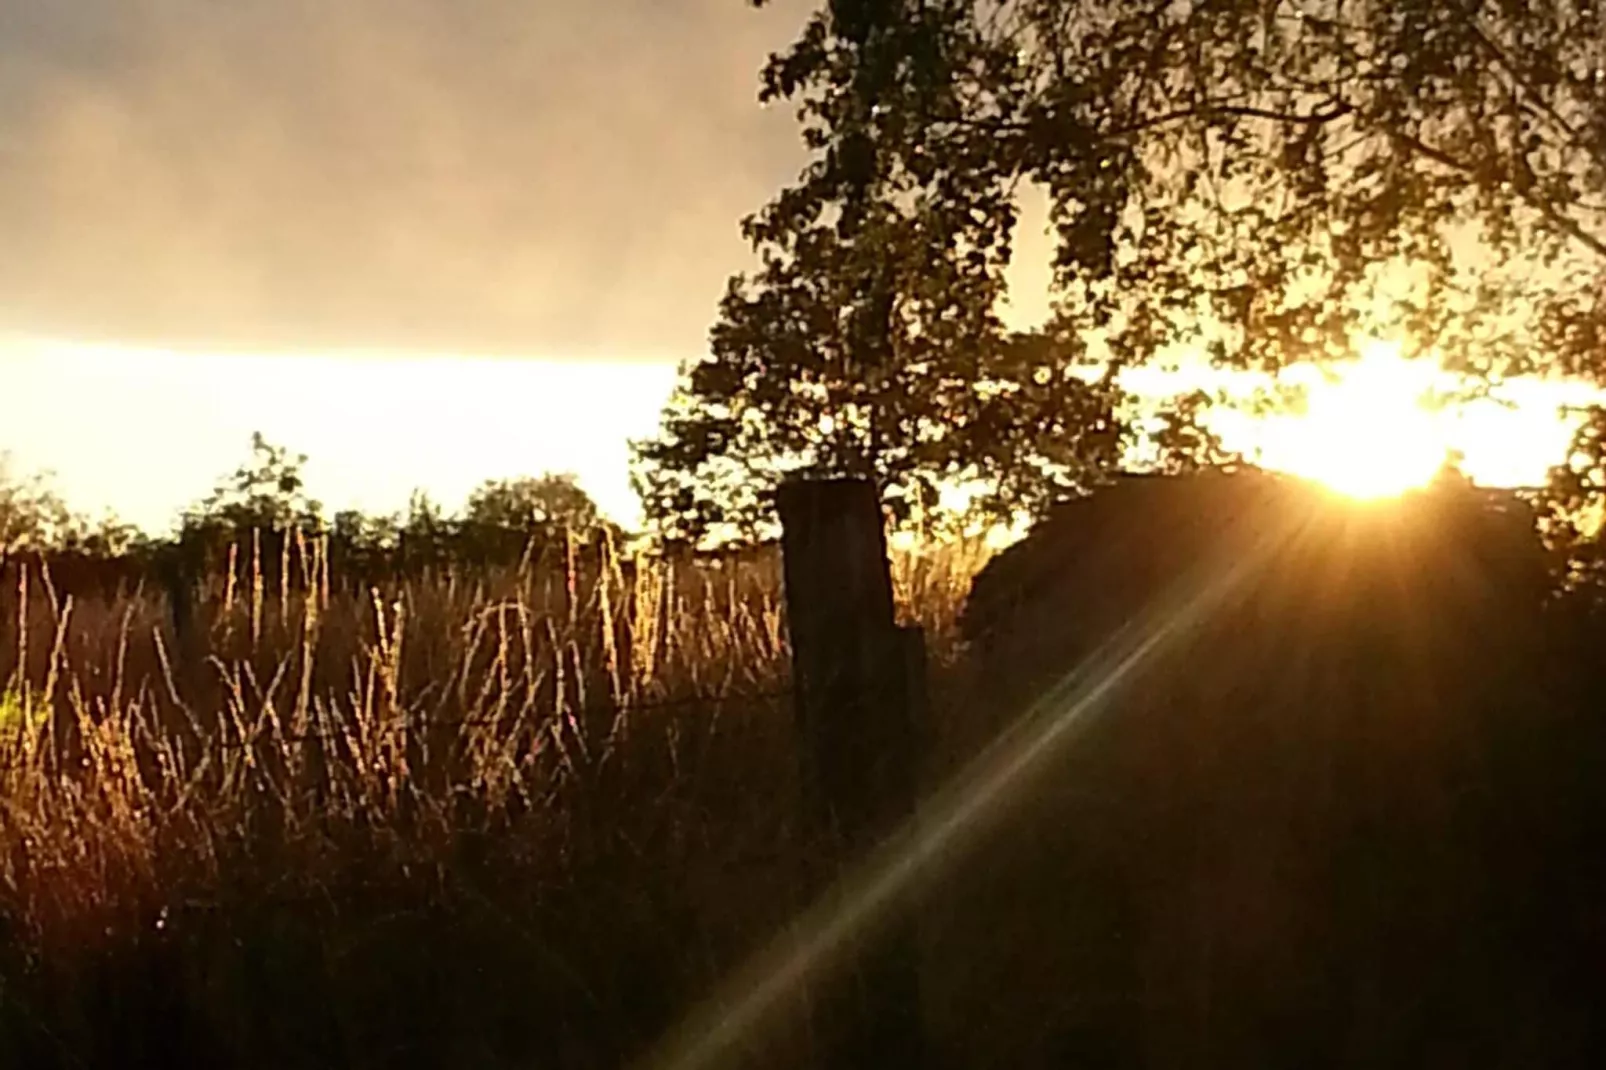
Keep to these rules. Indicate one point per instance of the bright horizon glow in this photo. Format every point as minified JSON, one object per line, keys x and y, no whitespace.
{"x":1382,"y":424}
{"x":1369,"y":433}
{"x":143,"y":433}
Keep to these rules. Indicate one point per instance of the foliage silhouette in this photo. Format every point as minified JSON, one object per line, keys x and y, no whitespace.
{"x":251,"y":522}
{"x":868,"y":341}
{"x":32,"y":514}
{"x":1345,"y":818}
{"x":1380,"y":772}
{"x":529,"y":502}
{"x":1269,"y":180}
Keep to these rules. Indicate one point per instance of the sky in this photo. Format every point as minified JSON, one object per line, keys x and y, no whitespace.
{"x":147,"y":433}
{"x":322,"y":220}
{"x":425,"y":242}
{"x":558,"y":177}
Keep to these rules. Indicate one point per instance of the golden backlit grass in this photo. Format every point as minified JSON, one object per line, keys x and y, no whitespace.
{"x":559,"y":776}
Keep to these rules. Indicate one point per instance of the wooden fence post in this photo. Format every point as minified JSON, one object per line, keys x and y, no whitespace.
{"x":855,"y":675}
{"x":173,"y":577}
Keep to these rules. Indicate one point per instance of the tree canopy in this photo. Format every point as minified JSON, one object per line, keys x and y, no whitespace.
{"x":1296,"y":172}
{"x":267,"y":492}
{"x":554,"y":500}
{"x":868,"y":341}
{"x":1268,"y":181}
{"x":266,"y":500}
{"x":35,"y":518}
{"x":31,"y":512}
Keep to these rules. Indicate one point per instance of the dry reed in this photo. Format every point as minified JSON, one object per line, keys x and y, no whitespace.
{"x":579,"y":725}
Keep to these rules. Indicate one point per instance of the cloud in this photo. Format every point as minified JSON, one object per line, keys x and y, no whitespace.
{"x":548,"y":177}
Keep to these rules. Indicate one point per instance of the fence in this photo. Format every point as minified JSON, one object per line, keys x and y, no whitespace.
{"x":860,"y":684}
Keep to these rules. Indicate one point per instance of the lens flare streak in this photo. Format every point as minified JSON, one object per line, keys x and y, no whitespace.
{"x":869,"y":896}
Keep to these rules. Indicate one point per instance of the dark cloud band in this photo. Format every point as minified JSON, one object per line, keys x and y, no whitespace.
{"x":498,"y":176}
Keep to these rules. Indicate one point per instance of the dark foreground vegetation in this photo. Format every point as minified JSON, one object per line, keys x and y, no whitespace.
{"x":460,"y":792}
{"x":510,"y":814}
{"x":1349,"y":815}
{"x":530,"y":815}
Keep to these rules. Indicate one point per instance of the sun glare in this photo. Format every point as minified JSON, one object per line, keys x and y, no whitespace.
{"x":1368,"y":429}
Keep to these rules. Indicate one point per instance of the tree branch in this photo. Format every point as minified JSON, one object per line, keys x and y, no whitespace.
{"x":1339,"y":110}
{"x":1567,"y":225}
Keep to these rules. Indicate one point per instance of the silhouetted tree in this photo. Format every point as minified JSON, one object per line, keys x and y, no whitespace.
{"x":424,"y":535}
{"x":362,"y":548}
{"x":505,"y":519}
{"x":1265,"y":179}
{"x":525,"y":503}
{"x":1265,"y":163}
{"x":105,"y":538}
{"x":257,"y":509}
{"x":32,"y":514}
{"x":267,"y":492}
{"x":83,"y":558}
{"x":1573,"y":507}
{"x":868,"y":342}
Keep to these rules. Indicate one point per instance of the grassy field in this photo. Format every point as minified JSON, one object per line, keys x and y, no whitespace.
{"x":532,"y":817}
{"x":514,"y":818}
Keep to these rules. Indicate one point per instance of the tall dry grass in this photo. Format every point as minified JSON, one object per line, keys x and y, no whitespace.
{"x":517,"y":814}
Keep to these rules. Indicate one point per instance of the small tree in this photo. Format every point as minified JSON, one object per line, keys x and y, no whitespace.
{"x":263,"y":500}
{"x":33,"y":517}
{"x":32,"y":514}
{"x":105,"y":538}
{"x":267,"y":493}
{"x":528,"y":503}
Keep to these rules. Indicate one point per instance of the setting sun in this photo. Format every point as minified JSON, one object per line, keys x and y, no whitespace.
{"x":1369,"y":430}
{"x":1383,"y":424}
